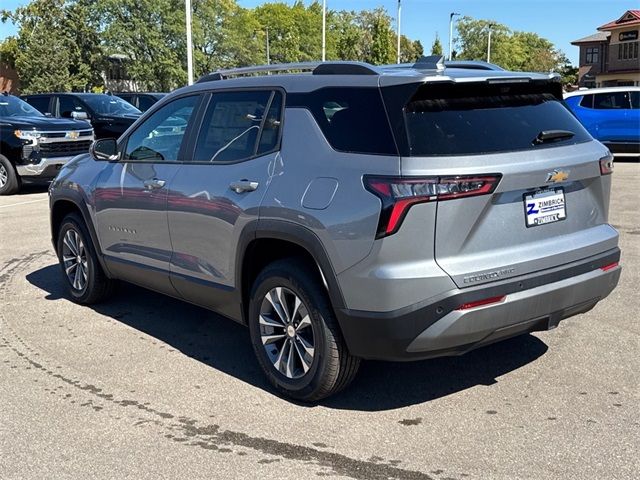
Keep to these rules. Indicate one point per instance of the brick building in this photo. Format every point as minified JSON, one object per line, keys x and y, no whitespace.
{"x":609,"y":57}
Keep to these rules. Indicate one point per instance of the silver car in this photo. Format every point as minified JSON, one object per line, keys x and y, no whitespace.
{"x":344,"y":211}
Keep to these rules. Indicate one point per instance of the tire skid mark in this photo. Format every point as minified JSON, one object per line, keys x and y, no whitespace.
{"x":186,"y":430}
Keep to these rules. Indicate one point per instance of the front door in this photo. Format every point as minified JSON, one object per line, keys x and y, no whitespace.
{"x":131,"y":197}
{"x":213,"y":198}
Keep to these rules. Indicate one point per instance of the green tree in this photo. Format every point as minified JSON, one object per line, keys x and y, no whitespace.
{"x":378,"y":44}
{"x":524,"y":51}
{"x":410,"y":50}
{"x":9,"y":51}
{"x":349,"y":35}
{"x":151,"y":34}
{"x":58,"y":46}
{"x":436,"y":46}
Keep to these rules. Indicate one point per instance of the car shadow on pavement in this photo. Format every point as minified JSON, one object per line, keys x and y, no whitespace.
{"x":31,"y":188}
{"x":225,"y":345}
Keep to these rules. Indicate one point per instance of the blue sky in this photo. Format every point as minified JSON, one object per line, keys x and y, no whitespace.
{"x":561,"y":21}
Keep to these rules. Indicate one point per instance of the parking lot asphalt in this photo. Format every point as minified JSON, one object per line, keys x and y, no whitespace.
{"x":145,"y":386}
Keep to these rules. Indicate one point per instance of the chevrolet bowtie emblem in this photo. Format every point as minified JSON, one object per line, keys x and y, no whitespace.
{"x":72,"y":135}
{"x":557,"y":176}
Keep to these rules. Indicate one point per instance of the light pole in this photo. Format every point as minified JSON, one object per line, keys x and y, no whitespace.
{"x":324,"y":30}
{"x":267,"y":40}
{"x":187,"y":6}
{"x":398,"y":26}
{"x":489,"y":44}
{"x":451,"y":15}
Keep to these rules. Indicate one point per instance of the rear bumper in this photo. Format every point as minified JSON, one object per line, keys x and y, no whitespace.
{"x":436,"y":328}
{"x":46,"y":168}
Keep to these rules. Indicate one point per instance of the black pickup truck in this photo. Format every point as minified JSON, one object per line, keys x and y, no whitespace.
{"x":109,"y":115}
{"x":33,"y":147}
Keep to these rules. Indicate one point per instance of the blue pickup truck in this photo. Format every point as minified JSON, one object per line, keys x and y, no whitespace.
{"x":612,"y":115}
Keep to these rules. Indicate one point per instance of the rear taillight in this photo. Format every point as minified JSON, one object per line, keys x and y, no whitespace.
{"x":611,"y":266}
{"x":398,"y":194}
{"x":606,"y":165}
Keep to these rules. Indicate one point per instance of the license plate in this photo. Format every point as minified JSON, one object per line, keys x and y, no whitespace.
{"x":544,"y":206}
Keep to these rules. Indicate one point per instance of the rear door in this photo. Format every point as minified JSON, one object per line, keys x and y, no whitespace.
{"x":131,"y":196}
{"x":215,"y":196}
{"x":550,"y":205}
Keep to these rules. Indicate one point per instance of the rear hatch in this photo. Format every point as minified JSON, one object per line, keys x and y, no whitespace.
{"x":548,"y":202}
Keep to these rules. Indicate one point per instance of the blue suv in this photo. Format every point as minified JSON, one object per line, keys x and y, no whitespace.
{"x":611,"y":115}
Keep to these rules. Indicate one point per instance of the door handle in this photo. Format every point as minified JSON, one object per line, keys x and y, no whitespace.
{"x":243,"y":186}
{"x":154,"y":184}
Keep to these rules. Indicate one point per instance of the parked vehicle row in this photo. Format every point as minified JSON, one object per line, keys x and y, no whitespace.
{"x":356,"y":212}
{"x":109,"y":115}
{"x":39,"y":133}
{"x":34,"y":147}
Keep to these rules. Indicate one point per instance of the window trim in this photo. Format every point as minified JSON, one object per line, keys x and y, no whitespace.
{"x":205,"y":106}
{"x":183,"y":152}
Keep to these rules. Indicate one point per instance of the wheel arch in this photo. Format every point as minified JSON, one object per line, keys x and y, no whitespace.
{"x":63,"y":205}
{"x":265,"y":241}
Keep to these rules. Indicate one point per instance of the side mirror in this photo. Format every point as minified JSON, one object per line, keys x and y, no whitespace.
{"x":48,"y":114}
{"x":105,"y":149}
{"x":79,"y":115}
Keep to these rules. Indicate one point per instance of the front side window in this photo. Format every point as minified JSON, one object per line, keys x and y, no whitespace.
{"x":68,"y":105}
{"x":635,"y":100}
{"x":611,"y":101}
{"x":592,"y":55}
{"x":159,"y":137}
{"x":236,"y":125}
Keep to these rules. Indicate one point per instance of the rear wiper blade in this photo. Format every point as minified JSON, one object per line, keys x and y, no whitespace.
{"x":552,"y":135}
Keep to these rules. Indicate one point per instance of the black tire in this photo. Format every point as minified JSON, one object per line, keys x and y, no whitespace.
{"x":97,"y":287}
{"x":9,"y":179}
{"x":332,"y":367}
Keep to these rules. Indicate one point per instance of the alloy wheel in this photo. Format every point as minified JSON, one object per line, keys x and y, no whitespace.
{"x":75,"y":260}
{"x":4,"y":176}
{"x":287,"y":333}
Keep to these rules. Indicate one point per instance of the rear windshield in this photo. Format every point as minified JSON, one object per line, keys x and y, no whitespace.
{"x":467,"y":125}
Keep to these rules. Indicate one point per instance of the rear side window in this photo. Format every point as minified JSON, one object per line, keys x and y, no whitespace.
{"x":351,"y":119}
{"x":587,"y":101}
{"x":232,"y":126}
{"x":68,"y":105}
{"x":39,"y":103}
{"x":145,"y":103}
{"x":635,"y":100}
{"x":611,"y":101}
{"x":467,"y":125}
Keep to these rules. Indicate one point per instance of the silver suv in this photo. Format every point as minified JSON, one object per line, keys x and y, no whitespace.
{"x":344,"y":211}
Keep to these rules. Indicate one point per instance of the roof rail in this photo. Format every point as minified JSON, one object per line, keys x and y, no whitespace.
{"x":432,"y":62}
{"x":317,"y":68}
